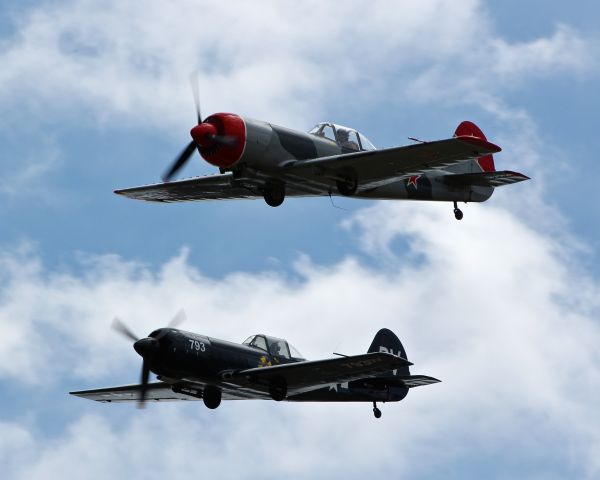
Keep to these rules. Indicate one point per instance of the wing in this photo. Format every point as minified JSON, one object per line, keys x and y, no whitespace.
{"x":164,"y":392}
{"x":212,"y":187}
{"x":302,"y":376}
{"x":378,"y":167}
{"x":158,"y":391}
{"x":486,"y":179}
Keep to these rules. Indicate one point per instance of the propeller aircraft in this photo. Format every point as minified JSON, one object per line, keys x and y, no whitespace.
{"x":257,"y":159}
{"x":193,"y":367}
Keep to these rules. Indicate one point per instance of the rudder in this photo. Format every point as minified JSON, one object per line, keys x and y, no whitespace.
{"x":469,"y":129}
{"x":386,"y":341}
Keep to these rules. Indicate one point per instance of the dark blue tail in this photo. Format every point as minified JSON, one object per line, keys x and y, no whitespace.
{"x":386,"y":341}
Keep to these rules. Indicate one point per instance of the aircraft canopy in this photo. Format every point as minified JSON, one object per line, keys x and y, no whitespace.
{"x":274,"y":346}
{"x":344,"y":136}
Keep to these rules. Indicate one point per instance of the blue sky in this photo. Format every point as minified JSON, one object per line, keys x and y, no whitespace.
{"x":501,"y":306}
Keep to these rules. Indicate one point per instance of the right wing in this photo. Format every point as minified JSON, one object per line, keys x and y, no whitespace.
{"x":374,"y":168}
{"x":302,"y":376}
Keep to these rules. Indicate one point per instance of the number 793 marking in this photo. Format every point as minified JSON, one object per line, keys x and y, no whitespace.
{"x":196,"y":345}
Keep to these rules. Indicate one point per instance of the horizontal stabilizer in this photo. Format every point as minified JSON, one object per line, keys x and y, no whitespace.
{"x":417,"y":380}
{"x":486,"y":179}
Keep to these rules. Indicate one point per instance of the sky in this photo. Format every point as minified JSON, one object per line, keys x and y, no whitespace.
{"x":502,"y":306}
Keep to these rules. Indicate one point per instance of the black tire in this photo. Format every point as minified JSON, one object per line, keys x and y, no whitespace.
{"x":348,"y":186}
{"x":278,"y":390}
{"x":274,"y":194}
{"x":211,"y":397}
{"x":458,"y":214}
{"x":377,"y":413}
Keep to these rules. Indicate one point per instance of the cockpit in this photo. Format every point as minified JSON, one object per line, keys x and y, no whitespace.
{"x":273,"y":346}
{"x":345,"y":137}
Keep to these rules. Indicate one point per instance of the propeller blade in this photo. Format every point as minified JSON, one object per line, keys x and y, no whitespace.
{"x":123,"y":329}
{"x":180,"y":161}
{"x":144,"y":384}
{"x":196,"y":92}
{"x":178,"y":319}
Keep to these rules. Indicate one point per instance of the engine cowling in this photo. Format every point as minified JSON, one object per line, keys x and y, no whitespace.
{"x":221,"y":139}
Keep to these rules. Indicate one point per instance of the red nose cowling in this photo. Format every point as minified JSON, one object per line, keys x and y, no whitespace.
{"x":221,"y":139}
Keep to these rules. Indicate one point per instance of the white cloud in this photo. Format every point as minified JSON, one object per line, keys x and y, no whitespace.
{"x":114,"y":64}
{"x":280,"y":61}
{"x":498,"y":311}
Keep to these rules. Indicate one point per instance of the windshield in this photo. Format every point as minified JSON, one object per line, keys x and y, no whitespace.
{"x":365,"y":143}
{"x":323,"y":130}
{"x":295,"y":353}
{"x":256,"y":341}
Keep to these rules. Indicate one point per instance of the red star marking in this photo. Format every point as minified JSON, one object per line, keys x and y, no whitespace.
{"x":413,"y":181}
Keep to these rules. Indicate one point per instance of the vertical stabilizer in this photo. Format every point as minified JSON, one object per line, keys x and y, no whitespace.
{"x":386,"y":341}
{"x":481,"y":164}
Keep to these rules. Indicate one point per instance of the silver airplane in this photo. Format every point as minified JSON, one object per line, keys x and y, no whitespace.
{"x":257,"y":159}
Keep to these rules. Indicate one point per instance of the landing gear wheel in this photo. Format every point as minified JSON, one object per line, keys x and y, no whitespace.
{"x":274,"y":194}
{"x":376,"y":411}
{"x":348,"y":186}
{"x":458,"y":214}
{"x":211,"y":397}
{"x":278,"y":390}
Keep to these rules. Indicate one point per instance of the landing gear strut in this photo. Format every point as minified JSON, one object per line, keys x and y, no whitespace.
{"x":274,"y":193}
{"x":376,"y":411}
{"x":458,"y":214}
{"x":211,"y":396}
{"x":278,"y":389}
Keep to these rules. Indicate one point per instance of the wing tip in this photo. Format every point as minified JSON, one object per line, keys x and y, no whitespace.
{"x":492,"y":147}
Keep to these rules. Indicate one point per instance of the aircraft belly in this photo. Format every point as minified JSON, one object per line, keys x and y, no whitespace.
{"x":426,"y":187}
{"x":341,"y":393}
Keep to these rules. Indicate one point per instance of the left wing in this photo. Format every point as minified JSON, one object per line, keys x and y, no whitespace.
{"x":212,"y":187}
{"x":316,"y":373}
{"x":158,"y":391}
{"x":164,"y":392}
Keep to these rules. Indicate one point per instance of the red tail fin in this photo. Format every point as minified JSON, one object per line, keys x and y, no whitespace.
{"x":469,"y":129}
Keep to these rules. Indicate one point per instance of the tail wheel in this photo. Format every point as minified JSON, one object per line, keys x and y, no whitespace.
{"x":278,"y":390}
{"x":458,"y":214}
{"x":211,"y":396}
{"x":274,"y":193}
{"x":376,"y":411}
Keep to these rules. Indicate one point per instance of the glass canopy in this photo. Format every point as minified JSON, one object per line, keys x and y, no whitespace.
{"x":345,"y":137}
{"x":274,"y":346}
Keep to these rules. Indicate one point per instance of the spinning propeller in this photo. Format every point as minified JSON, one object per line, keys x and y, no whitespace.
{"x":204,"y":135}
{"x":147,"y":348}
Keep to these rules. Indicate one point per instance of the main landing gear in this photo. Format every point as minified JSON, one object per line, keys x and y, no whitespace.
{"x":278,"y":389}
{"x":274,"y":193}
{"x":458,"y":214}
{"x":211,"y":396}
{"x":376,"y":411}
{"x":348,"y":186}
